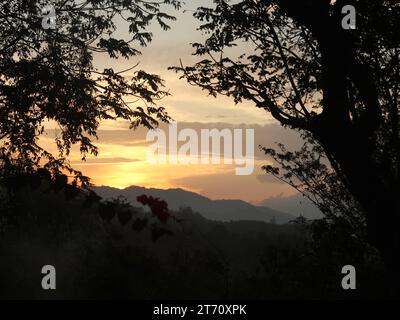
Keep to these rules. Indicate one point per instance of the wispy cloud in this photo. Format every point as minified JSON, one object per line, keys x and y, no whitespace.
{"x":100,"y":160}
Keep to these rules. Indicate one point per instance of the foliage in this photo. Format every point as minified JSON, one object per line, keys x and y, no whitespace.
{"x":339,"y":88}
{"x":308,"y":171}
{"x":49,"y":75}
{"x":15,"y":209}
{"x":102,"y":258}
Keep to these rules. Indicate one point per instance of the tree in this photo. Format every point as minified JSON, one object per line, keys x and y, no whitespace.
{"x":307,"y":170}
{"x":338,"y":87}
{"x":47,"y":73}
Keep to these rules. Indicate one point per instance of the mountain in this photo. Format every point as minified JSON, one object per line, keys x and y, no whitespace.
{"x":296,"y":205}
{"x":219,"y":210}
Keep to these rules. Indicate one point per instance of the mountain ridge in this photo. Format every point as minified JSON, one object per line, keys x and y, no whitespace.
{"x":218,"y":210}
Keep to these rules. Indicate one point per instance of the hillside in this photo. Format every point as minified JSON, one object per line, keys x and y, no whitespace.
{"x":218,"y":210}
{"x":295,"y":205}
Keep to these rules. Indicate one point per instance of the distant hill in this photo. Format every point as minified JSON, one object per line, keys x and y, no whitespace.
{"x":219,"y":210}
{"x":295,"y":205}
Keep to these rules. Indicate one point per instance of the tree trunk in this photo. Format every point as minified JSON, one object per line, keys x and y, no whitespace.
{"x":373,"y":186}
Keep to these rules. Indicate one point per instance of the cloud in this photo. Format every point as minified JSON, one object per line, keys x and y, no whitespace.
{"x":105,"y":161}
{"x":268,"y":178}
{"x":265,"y":135}
{"x":226,"y":185}
{"x":122,"y":162}
{"x":215,"y":117}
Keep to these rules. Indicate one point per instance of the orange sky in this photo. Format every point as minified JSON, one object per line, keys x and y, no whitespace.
{"x":122,"y":152}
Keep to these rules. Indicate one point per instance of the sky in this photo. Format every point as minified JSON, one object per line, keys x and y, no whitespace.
{"x":122,"y":157}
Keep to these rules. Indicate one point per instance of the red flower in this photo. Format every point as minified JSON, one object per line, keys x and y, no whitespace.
{"x":159,"y":208}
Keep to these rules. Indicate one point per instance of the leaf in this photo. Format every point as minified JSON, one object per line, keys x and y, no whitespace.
{"x":139,"y":224}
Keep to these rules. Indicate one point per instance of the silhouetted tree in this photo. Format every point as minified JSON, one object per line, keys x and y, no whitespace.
{"x":158,"y":207}
{"x":47,"y":73}
{"x":307,"y":170}
{"x":341,"y":87}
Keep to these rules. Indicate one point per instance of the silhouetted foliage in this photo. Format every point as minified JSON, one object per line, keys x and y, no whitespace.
{"x":339,"y":87}
{"x":49,"y":75}
{"x":203,"y":259}
{"x":139,"y":224}
{"x":159,"y":208}
{"x":307,"y":170}
{"x":107,"y":211}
